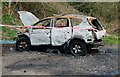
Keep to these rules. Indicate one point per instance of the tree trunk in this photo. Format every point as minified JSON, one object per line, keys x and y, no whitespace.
{"x":9,"y":7}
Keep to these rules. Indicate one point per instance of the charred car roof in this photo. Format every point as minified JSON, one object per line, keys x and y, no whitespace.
{"x":71,"y":16}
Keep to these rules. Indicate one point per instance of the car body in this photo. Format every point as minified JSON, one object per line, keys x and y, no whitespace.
{"x":62,"y":30}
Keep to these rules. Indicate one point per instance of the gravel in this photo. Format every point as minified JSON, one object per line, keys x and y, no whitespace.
{"x":104,"y":62}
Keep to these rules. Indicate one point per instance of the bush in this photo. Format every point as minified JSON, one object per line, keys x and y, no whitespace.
{"x":107,"y":11}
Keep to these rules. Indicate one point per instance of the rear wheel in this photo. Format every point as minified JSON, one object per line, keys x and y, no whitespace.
{"x":23,"y":44}
{"x":77,"y":48}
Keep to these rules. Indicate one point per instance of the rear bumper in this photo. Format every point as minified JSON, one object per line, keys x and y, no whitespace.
{"x":95,"y":44}
{"x":98,"y":42}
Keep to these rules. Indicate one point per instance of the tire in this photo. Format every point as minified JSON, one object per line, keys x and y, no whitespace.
{"x":23,"y":44}
{"x":77,"y":48}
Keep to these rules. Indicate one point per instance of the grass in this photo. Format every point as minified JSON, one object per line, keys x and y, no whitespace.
{"x":111,"y":39}
{"x":8,"y":33}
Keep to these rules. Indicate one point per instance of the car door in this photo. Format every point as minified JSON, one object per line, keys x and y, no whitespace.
{"x":61,"y":32}
{"x":41,"y":34}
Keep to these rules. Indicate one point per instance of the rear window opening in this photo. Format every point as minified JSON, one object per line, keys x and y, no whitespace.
{"x":96,"y":24}
{"x":61,"y":22}
{"x":76,"y":21}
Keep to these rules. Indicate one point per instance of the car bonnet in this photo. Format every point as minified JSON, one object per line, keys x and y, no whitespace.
{"x":27,"y":18}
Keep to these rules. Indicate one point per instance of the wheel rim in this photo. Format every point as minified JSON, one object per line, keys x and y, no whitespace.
{"x":77,"y":49}
{"x":23,"y":45}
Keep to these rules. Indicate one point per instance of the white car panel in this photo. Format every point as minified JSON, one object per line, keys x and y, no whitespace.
{"x":27,"y":18}
{"x":60,"y":35}
{"x":40,"y":37}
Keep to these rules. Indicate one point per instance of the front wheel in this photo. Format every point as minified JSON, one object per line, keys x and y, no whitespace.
{"x":77,"y":48}
{"x":23,"y":44}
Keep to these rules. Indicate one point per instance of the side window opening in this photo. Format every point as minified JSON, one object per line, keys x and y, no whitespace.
{"x":61,"y":22}
{"x":45,"y":23}
{"x":76,"y":21}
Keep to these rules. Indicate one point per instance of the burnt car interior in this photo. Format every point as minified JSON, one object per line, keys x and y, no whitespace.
{"x":45,"y":23}
{"x":62,"y":22}
{"x":75,"y":21}
{"x":96,"y":24}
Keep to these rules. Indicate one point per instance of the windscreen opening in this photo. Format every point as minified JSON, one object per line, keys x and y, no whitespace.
{"x":96,"y":24}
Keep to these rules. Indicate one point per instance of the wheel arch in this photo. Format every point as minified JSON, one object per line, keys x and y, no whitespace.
{"x":75,"y":38}
{"x":23,"y":35}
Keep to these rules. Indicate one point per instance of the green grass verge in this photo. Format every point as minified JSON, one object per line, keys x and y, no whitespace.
{"x":8,"y":33}
{"x":111,"y":39}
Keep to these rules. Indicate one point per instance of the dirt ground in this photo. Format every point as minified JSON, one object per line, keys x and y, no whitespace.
{"x":104,"y":62}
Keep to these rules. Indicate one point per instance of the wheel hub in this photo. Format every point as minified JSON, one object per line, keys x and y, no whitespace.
{"x":77,"y":49}
{"x":23,"y":45}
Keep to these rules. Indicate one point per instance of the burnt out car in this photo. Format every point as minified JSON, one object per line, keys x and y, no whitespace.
{"x":73,"y":33}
